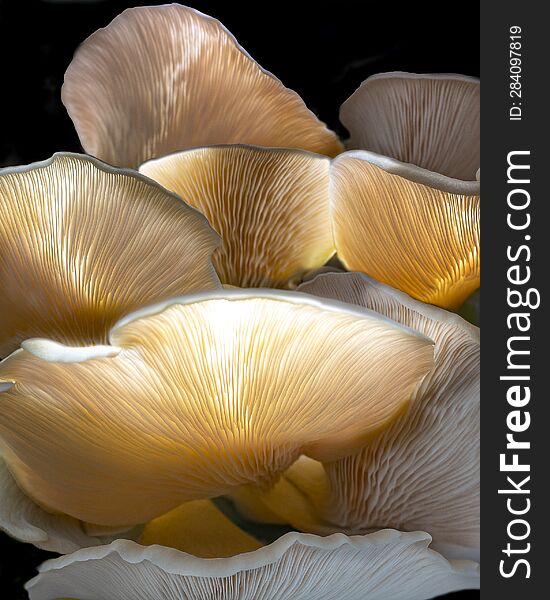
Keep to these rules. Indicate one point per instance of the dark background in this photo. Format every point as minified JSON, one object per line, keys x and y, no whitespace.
{"x":321,"y":50}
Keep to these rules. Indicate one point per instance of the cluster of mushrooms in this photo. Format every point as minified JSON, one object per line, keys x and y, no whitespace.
{"x":180,"y":362}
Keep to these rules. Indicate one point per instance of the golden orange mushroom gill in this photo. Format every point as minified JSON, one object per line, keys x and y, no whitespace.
{"x":270,"y":206}
{"x":198,"y":396}
{"x":412,"y":229}
{"x":84,"y":243}
{"x":421,"y":472}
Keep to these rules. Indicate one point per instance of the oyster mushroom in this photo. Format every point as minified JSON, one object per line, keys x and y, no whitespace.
{"x":205,"y":393}
{"x":386,"y":565}
{"x":159,"y":79}
{"x":84,"y":243}
{"x":428,"y":120}
{"x":410,"y":228}
{"x":270,"y":206}
{"x":420,"y":473}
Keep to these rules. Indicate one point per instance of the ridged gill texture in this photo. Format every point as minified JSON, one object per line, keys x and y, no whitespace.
{"x":406,"y":227}
{"x":387,"y":565}
{"x":84,"y":244}
{"x":159,"y":79}
{"x":420,"y":473}
{"x":203,"y":396}
{"x":428,"y":120}
{"x":270,"y":206}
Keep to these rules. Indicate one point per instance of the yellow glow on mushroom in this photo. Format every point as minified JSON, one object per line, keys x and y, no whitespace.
{"x":84,"y":243}
{"x":205,"y":395}
{"x":420,"y":473}
{"x":196,"y":87}
{"x":199,"y":528}
{"x":270,"y":206}
{"x":412,"y":229}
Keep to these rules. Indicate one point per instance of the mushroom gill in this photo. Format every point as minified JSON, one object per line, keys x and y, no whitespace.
{"x":205,"y":393}
{"x":412,"y":229}
{"x":159,"y":79}
{"x":270,"y":206}
{"x":420,"y":473}
{"x":84,"y":243}
{"x":428,"y":120}
{"x":380,"y":566}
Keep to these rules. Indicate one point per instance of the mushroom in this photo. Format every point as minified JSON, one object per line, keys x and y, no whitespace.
{"x":386,"y":565}
{"x":270,"y":206}
{"x":84,"y":243}
{"x":429,"y":120}
{"x":422,"y":472}
{"x":410,"y":228}
{"x":24,"y":520}
{"x":199,"y":528}
{"x":204,"y":393}
{"x":159,"y":79}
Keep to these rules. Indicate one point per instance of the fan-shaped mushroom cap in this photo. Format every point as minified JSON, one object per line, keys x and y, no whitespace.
{"x":387,"y":565}
{"x":422,"y":472}
{"x":428,"y":120}
{"x":206,"y":393}
{"x":84,"y":243}
{"x":414,"y":230}
{"x":270,"y":206}
{"x":159,"y":79}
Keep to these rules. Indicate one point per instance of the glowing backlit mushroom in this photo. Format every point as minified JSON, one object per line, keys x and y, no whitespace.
{"x":428,"y":120}
{"x":159,"y":79}
{"x":84,"y":243}
{"x":422,"y":472}
{"x":197,"y":396}
{"x":415,"y":230}
{"x":270,"y":206}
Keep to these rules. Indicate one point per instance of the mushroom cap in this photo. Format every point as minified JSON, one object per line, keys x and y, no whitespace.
{"x":422,"y":472}
{"x":386,"y":565}
{"x":24,"y":520}
{"x":84,"y":243}
{"x":205,"y":393}
{"x":270,"y":206}
{"x":428,"y":120}
{"x":159,"y":79}
{"x":412,"y":229}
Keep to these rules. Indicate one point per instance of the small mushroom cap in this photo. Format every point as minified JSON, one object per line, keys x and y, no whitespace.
{"x":428,"y":120}
{"x":195,"y":87}
{"x":270,"y":206}
{"x":422,"y":472}
{"x":84,"y":243}
{"x":386,"y":565}
{"x":206,"y":393}
{"x":412,"y":229}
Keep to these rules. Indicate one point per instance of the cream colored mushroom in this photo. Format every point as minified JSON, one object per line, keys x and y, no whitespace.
{"x":270,"y":206}
{"x":159,"y":79}
{"x":84,"y":243}
{"x":386,"y":565}
{"x":429,"y":120}
{"x":412,"y":229}
{"x":24,"y":520}
{"x":205,"y":393}
{"x":422,"y":472}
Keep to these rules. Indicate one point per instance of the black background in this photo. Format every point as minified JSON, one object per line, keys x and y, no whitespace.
{"x":321,"y":50}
